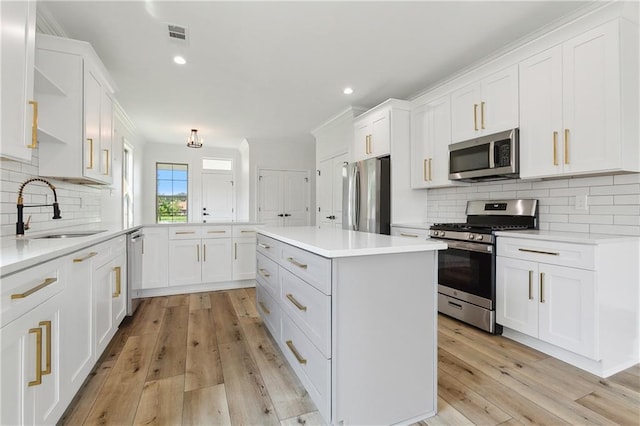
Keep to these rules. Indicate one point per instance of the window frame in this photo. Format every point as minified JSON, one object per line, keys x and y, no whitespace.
{"x":186,"y":215}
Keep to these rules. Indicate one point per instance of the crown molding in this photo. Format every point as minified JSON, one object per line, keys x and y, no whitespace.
{"x":46,"y":23}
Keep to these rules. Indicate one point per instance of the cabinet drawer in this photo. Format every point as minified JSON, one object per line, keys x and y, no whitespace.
{"x":185,"y":232}
{"x":311,"y":367}
{"x":555,"y":253}
{"x":269,"y":311}
{"x":310,"y":309}
{"x":22,"y":291}
{"x":267,"y":274}
{"x":417,"y":234}
{"x":268,"y":246}
{"x":223,"y":231}
{"x":314,"y":269}
{"x":243,"y":231}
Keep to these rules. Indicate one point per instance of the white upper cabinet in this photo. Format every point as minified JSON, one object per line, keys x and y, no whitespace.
{"x":19,"y":110}
{"x":75,"y":125}
{"x":579,"y":105}
{"x":485,"y":107}
{"x":372,"y":134}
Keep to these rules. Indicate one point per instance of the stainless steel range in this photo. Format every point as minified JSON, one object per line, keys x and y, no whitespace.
{"x":467,"y":269}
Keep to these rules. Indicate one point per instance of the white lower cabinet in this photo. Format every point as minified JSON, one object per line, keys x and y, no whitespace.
{"x":155,"y":258}
{"x":408,"y":232}
{"x":244,"y":252}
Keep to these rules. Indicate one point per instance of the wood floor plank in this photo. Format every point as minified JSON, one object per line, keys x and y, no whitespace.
{"x":244,"y":303}
{"x":161,"y":402}
{"x":170,"y":353}
{"x":149,"y":316}
{"x":199,"y":301}
{"x":610,"y":408}
{"x":87,"y":394}
{"x":121,"y":391}
{"x":627,"y":379}
{"x":206,"y":406}
{"x":289,"y":397}
{"x":203,"y":368}
{"x":249,"y":402}
{"x":308,"y":419}
{"x":178,"y":300}
{"x":447,"y":415}
{"x":228,"y":327}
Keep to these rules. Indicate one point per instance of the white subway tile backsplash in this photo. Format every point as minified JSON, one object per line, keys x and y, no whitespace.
{"x":617,"y":209}
{"x":533,"y":193}
{"x":600,"y":200}
{"x":626,"y":199}
{"x":627,"y":220}
{"x":568,"y":227}
{"x":628,"y":178}
{"x":616,"y":189}
{"x":591,"y":181}
{"x":568,"y":192}
{"x":616,"y":229}
{"x":599,"y":219}
{"x":563,"y":183}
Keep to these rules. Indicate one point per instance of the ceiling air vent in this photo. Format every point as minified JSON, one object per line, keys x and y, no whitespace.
{"x":177,"y":32}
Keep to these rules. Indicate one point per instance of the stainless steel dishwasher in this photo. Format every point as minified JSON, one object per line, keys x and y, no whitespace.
{"x":135,"y":247}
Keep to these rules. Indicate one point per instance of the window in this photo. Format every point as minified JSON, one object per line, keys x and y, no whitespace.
{"x":222,"y":164}
{"x":171,"y":192}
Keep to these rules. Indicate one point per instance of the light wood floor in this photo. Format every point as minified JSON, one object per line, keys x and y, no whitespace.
{"x":207,"y":359}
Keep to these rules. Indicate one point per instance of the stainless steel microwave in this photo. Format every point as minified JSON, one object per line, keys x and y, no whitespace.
{"x":489,"y":157}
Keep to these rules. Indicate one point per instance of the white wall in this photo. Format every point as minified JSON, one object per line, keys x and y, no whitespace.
{"x":170,"y":153}
{"x":244,"y":184}
{"x":281,"y":156}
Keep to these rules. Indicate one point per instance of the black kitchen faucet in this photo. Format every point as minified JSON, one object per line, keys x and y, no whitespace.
{"x":20,"y":225}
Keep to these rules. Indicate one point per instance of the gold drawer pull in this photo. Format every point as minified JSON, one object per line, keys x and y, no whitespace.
{"x":542,"y":287}
{"x":247,"y":231}
{"x":118,"y":271}
{"x":264,"y":273}
{"x":34,"y":125}
{"x":296,"y":303}
{"x":475,"y":117}
{"x":295,"y":352}
{"x":295,"y":262}
{"x":555,"y":148}
{"x":264,"y":308}
{"x":402,"y":234}
{"x":82,"y":259}
{"x":90,"y":166}
{"x":482,"y":115}
{"x":539,"y":252}
{"x":38,"y":332}
{"x":216,"y":232}
{"x":45,"y":283}
{"x":530,"y":285}
{"x":430,"y":168}
{"x":184,"y":232}
{"x":424,"y":170}
{"x":106,"y":151}
{"x":47,"y":325}
{"x":264,"y":246}
{"x":566,"y":146}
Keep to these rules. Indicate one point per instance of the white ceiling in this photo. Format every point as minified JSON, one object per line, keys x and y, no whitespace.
{"x":276,"y":70}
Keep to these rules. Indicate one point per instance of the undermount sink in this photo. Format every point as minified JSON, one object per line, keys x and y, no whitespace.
{"x":70,"y":234}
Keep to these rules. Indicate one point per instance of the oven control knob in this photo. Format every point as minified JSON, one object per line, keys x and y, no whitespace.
{"x":471,"y":236}
{"x":442,"y":233}
{"x":479,"y":237}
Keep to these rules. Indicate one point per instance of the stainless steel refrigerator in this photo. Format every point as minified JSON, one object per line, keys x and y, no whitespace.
{"x":366,"y":196}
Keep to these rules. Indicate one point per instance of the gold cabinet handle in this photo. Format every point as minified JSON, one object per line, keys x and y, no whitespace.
{"x":475,"y":117}
{"x":264,"y":246}
{"x":47,"y":326}
{"x":90,"y":166}
{"x":244,"y":231}
{"x":217,"y":232}
{"x":184,"y":232}
{"x":408,"y":235}
{"x":430,"y":168}
{"x":555,"y":148}
{"x":551,"y":253}
{"x":482,"y":115}
{"x":295,"y":262}
{"x":530,"y":285}
{"x":295,"y":352}
{"x":424,"y":170}
{"x":34,"y":125}
{"x":542,"y":287}
{"x":38,"y":332}
{"x":45,"y":283}
{"x":204,"y":252}
{"x":566,"y":146}
{"x":264,"y":308}
{"x":118,"y":271}
{"x":106,"y":151}
{"x":198,"y":252}
{"x":296,"y":303}
{"x":235,"y":251}
{"x":264,"y":273}
{"x":82,"y":259}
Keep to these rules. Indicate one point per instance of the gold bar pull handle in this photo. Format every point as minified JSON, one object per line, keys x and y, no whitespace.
{"x":296,"y":303}
{"x":106,"y":151}
{"x":264,"y":308}
{"x":551,"y":253}
{"x":90,"y":166}
{"x":402,"y":234}
{"x":47,"y":326}
{"x":264,"y":272}
{"x":264,"y":246}
{"x":555,"y":148}
{"x":542,"y":287}
{"x":566,"y":146}
{"x":235,"y":251}
{"x":475,"y":117}
{"x":218,"y":232}
{"x":247,"y":231}
{"x":295,"y":262}
{"x":530,"y":285}
{"x":38,"y":332}
{"x":198,"y":252}
{"x":118,"y":271}
{"x":184,"y":232}
{"x":430,"y":168}
{"x":82,"y":259}
{"x":424,"y":170}
{"x":482,"y":115}
{"x":295,"y":352}
{"x":34,"y":125}
{"x":45,"y":283}
{"x":204,"y":252}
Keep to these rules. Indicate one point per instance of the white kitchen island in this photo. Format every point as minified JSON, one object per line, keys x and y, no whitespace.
{"x":355,"y":315}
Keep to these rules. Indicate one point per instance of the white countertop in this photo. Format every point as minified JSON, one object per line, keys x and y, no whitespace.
{"x":566,"y":237}
{"x":342,"y":243}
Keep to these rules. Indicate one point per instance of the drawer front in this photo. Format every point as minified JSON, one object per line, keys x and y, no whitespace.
{"x":185,"y":232}
{"x":23,"y":291}
{"x":244,"y":231}
{"x":268,"y":246}
{"x":216,"y":231}
{"x":267,"y":274}
{"x":564,"y":254}
{"x":269,"y":311}
{"x":314,"y":269}
{"x":309,"y":308}
{"x":416,"y":234}
{"x":312,"y":368}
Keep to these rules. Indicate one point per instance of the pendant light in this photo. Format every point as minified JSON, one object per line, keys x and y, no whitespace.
{"x":193,"y":141}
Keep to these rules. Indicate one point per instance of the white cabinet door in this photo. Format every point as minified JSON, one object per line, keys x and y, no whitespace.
{"x":106,"y":137}
{"x":217,"y":197}
{"x":420,"y":147}
{"x":155,"y":257}
{"x":185,"y":258}
{"x":270,"y":195}
{"x":567,"y":304}
{"x":499,"y":104}
{"x":119,"y":294}
{"x":541,"y":114}
{"x":380,"y":140}
{"x":216,"y":260}
{"x":361,"y":136}
{"x":336,"y":182}
{"x":517,"y":295}
{"x":103,"y":289}
{"x":18,"y":26}
{"x":295,"y":198}
{"x":324,"y":194}
{"x":92,"y":103}
{"x":244,"y":258}
{"x":464,"y":113}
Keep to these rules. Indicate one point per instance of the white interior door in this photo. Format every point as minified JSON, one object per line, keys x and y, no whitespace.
{"x":283,"y":197}
{"x":296,"y":198}
{"x":325,"y":194}
{"x":217,"y":197}
{"x":338,"y":170}
{"x":270,"y":205}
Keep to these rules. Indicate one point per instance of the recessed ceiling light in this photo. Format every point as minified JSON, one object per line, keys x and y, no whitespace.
{"x":347,"y":90}
{"x":179,"y":60}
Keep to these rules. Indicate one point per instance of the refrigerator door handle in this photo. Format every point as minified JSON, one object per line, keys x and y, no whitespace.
{"x":356,"y":198}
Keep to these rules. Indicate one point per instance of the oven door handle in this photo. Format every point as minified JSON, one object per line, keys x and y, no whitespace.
{"x":463,"y":245}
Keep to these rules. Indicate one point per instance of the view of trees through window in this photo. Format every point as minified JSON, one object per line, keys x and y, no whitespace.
{"x":171,"y":192}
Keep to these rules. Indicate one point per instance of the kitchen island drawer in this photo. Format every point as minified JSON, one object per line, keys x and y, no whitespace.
{"x":309,"y":308}
{"x":216,"y":231}
{"x":269,"y":310}
{"x":581,"y":256}
{"x":268,"y":246}
{"x":311,"y":367}
{"x":185,"y":232}
{"x":268,"y":274}
{"x":314,"y":269}
{"x":245,"y":231}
